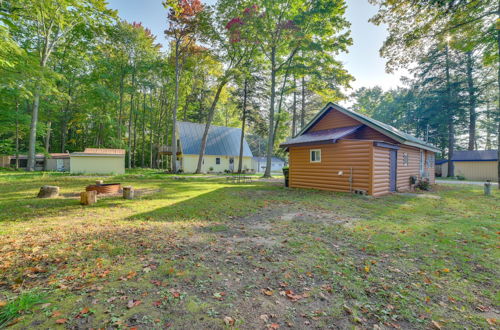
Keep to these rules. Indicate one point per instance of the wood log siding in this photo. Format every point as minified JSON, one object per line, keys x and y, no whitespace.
{"x":405,"y":172}
{"x":368,"y":133}
{"x":334,"y":119}
{"x":336,"y":157}
{"x":381,"y":171}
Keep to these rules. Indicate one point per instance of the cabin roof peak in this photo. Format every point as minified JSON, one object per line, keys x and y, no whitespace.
{"x":387,"y":130}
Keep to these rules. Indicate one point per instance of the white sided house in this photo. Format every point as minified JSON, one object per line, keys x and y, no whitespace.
{"x":260,"y":164}
{"x":221,"y":152}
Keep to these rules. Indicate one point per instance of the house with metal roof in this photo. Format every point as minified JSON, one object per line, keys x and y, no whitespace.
{"x":260,"y":164}
{"x":221,"y":152}
{"x":43,"y":162}
{"x":342,"y":150}
{"x":477,"y":165}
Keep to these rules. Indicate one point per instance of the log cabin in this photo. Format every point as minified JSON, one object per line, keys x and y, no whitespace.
{"x":342,"y":150}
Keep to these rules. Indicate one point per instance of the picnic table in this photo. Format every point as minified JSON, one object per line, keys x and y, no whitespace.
{"x":239,"y":179}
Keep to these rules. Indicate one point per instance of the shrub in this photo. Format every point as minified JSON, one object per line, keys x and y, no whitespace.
{"x":460,"y":177}
{"x":424,"y":185}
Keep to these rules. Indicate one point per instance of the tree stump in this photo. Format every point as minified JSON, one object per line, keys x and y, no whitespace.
{"x":88,"y":197}
{"x":128,"y":192}
{"x":98,"y":182}
{"x":48,"y":192}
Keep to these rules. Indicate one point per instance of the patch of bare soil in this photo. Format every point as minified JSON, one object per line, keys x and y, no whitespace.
{"x":320,"y":217}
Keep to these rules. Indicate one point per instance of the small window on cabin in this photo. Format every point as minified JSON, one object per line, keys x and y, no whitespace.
{"x":406,"y":159}
{"x":430,"y":161}
{"x":217,"y":161}
{"x":315,"y":155}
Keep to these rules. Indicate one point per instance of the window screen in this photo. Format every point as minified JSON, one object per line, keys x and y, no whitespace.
{"x":315,"y":156}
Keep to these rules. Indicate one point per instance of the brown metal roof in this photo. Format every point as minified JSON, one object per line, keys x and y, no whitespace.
{"x":102,"y":151}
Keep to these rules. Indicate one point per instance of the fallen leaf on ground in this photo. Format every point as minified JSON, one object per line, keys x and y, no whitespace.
{"x":491,"y":321}
{"x":229,"y":321}
{"x":61,"y":321}
{"x":437,"y":325}
{"x":3,"y":303}
{"x":133,"y":303}
{"x":267,"y":292}
{"x":84,"y":311}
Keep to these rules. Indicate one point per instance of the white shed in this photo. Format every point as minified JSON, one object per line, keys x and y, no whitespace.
{"x":98,"y":161}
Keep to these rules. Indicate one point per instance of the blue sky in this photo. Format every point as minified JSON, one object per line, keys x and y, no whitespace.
{"x":362,"y":61}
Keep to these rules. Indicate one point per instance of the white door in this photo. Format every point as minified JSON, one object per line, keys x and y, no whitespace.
{"x":60,"y":165}
{"x":231,"y":164}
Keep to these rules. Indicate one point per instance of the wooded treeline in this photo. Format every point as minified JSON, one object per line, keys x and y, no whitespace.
{"x":451,"y":48}
{"x":74,"y":75}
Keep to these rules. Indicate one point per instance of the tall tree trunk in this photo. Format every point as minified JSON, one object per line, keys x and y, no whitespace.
{"x":451,"y":128}
{"x":64,"y":122}
{"x":174,"y":110}
{"x":488,"y":126}
{"x":129,"y":165}
{"x":269,"y":153}
{"x":47,"y":136}
{"x":36,"y":104}
{"x":294,"y":108}
{"x":243,"y":121}
{"x":280,"y":103}
{"x":151,"y":130}
{"x":209,"y":122}
{"x":32,"y":138}
{"x":498,"y":109}
{"x":303,"y":109}
{"x":17,"y":133}
{"x":143,"y":145}
{"x":134,"y":146}
{"x":120,"y":113}
{"x":472,"y":101}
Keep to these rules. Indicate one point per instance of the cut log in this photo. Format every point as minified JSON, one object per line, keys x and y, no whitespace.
{"x":48,"y":192}
{"x":88,"y":197}
{"x":98,"y":182}
{"x":128,"y":192}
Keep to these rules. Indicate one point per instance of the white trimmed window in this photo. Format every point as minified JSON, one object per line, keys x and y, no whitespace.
{"x":315,"y":156}
{"x":406,"y":159}
{"x":217,"y":161}
{"x":430,"y":161}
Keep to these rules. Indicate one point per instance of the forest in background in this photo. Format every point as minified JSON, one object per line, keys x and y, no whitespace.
{"x":75,"y":75}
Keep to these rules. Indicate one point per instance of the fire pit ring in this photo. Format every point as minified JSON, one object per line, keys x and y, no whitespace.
{"x":105,"y":188}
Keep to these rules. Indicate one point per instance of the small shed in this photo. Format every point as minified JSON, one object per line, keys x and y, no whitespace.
{"x":342,"y":150}
{"x":260,"y":164}
{"x":98,"y":161}
{"x":478,"y":165}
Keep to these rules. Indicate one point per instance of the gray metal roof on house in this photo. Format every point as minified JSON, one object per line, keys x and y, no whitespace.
{"x":475,"y":155}
{"x":221,"y":141}
{"x":326,"y":136}
{"x":273,"y":159}
{"x":383,"y":128}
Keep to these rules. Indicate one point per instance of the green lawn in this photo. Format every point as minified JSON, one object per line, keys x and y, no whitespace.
{"x":197,"y":252}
